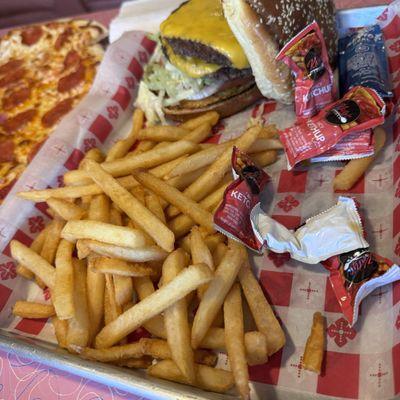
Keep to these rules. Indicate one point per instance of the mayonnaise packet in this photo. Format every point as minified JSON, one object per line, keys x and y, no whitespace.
{"x":335,"y":231}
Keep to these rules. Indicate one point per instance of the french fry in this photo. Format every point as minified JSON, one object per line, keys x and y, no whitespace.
{"x":73,"y":192}
{"x":143,"y":146}
{"x":314,"y":351}
{"x":53,"y":237}
{"x":265,"y":158}
{"x":63,"y":296}
{"x":211,"y":241}
{"x":175,"y":197}
{"x":154,"y":205}
{"x":219,"y":253}
{"x":34,"y":262}
{"x":132,"y":207}
{"x":103,"y":232}
{"x":61,"y":331}
{"x":138,"y":363}
{"x":137,"y":255}
{"x":262,"y":312}
{"x":199,"y":249}
{"x":210,"y":117}
{"x":108,"y":311}
{"x":158,"y":348}
{"x":124,"y":166}
{"x":207,"y":378}
{"x":115,"y":217}
{"x":198,"y":160}
{"x":255,"y":344}
{"x":99,"y":210}
{"x":28,"y":309}
{"x":120,"y":267}
{"x":115,"y":308}
{"x":354,"y":169}
{"x":138,"y":192}
{"x":36,"y":246}
{"x":218,"y":288}
{"x":261,"y":145}
{"x":164,"y":169}
{"x":183,"y":181}
{"x":182,"y":224}
{"x":65,"y":209}
{"x":163,"y":133}
{"x":256,"y":348}
{"x":234,"y":340}
{"x":49,"y":248}
{"x":112,"y":354}
{"x":144,"y":287}
{"x":216,"y":171}
{"x":123,"y":290}
{"x":200,"y":254}
{"x":199,"y":134}
{"x":269,"y":132}
{"x":189,"y":279}
{"x":176,"y":318}
{"x":94,"y":154}
{"x":122,"y":147}
{"x":78,"y":326}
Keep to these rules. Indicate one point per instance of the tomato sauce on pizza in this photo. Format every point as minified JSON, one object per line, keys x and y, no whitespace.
{"x":45,"y":70}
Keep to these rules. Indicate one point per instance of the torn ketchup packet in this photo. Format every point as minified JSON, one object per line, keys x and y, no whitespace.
{"x":355,"y":274}
{"x":355,"y":145}
{"x":360,"y":109}
{"x":306,"y":55}
{"x":334,"y":231}
{"x":232,"y":217}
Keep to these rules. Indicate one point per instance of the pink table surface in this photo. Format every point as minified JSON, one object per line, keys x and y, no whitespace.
{"x":24,"y":379}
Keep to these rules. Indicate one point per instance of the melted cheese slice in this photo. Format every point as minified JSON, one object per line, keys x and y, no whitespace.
{"x":202,"y":21}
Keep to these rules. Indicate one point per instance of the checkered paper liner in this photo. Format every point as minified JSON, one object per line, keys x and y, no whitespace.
{"x":360,"y":362}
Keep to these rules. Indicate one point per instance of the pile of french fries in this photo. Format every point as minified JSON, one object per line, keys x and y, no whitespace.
{"x":132,"y":245}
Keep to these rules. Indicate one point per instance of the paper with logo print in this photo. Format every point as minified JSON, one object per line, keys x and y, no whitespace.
{"x":360,"y":109}
{"x":334,"y":231}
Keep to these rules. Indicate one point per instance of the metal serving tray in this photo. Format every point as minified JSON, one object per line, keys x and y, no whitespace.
{"x":135,"y":381}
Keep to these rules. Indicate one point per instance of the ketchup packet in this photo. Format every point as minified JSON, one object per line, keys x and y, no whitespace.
{"x":355,"y":274}
{"x":355,"y":145}
{"x":360,"y":109}
{"x":306,"y":55}
{"x":363,"y":61}
{"x":334,"y":231}
{"x":232,"y":217}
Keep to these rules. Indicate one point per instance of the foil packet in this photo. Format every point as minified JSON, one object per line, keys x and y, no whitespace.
{"x":307,"y":57}
{"x":335,"y":231}
{"x":363,"y":61}
{"x":355,"y":274}
{"x":359,"y":109}
{"x":232,"y":217}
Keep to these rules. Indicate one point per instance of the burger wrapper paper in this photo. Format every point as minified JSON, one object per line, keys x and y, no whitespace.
{"x":360,"y":361}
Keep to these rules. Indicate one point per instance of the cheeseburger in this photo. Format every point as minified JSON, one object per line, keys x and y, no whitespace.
{"x":220,"y":55}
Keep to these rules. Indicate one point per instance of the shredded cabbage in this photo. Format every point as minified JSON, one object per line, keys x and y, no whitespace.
{"x":171,"y":85}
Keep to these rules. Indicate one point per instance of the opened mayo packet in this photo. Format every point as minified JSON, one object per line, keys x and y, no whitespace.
{"x":335,"y":231}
